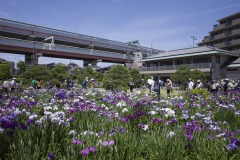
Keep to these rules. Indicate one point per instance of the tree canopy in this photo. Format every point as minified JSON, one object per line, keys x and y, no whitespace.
{"x":4,"y":70}
{"x":116,"y":78}
{"x":21,"y":67}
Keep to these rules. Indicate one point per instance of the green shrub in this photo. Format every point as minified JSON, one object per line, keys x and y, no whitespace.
{"x":202,"y":92}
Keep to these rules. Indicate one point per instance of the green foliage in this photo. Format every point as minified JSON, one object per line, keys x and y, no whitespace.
{"x":4,"y":70}
{"x":196,"y":74}
{"x":77,"y":73}
{"x":37,"y":72}
{"x":182,"y":74}
{"x":201,"y":92}
{"x":60,"y":73}
{"x":136,"y":77}
{"x":21,"y":67}
{"x":116,"y":78}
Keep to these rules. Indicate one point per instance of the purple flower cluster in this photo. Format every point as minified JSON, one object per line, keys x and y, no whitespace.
{"x":76,"y":142}
{"x":234,"y":144}
{"x":108,"y":143}
{"x":190,"y":127}
{"x":87,"y":150}
{"x":9,"y":121}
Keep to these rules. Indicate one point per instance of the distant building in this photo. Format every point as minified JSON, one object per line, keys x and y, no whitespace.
{"x":226,"y":35}
{"x":71,"y":66}
{"x":210,"y":60}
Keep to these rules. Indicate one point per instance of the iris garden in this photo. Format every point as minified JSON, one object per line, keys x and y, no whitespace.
{"x":80,"y":124}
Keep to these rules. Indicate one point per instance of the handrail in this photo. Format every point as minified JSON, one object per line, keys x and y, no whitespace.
{"x":174,"y":67}
{"x":71,"y":33}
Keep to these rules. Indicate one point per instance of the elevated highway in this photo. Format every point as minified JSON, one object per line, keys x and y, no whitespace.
{"x":28,"y":39}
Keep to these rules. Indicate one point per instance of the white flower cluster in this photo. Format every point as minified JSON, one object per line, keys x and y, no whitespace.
{"x":168,"y":112}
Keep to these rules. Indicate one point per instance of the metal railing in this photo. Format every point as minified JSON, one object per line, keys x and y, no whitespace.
{"x":61,"y":48}
{"x":174,"y":67}
{"x":233,"y":76}
{"x":91,"y":38}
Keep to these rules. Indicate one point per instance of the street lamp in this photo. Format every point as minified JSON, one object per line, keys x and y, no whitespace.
{"x":193,"y":38}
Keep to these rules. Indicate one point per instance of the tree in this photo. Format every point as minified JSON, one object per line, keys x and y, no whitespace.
{"x":182,"y":75}
{"x":137,"y":77}
{"x":21,"y":67}
{"x":196,"y":74}
{"x":4,"y":70}
{"x":60,"y":73}
{"x":36,"y":72}
{"x":116,"y":78}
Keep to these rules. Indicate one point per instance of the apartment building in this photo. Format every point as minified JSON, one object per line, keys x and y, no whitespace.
{"x":226,"y":35}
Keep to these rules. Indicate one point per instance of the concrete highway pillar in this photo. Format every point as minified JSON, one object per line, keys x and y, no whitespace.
{"x":90,"y":63}
{"x":31,"y":59}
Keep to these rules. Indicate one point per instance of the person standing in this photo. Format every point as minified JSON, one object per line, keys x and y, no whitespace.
{"x":5,"y":86}
{"x":34,"y":83}
{"x":13,"y":84}
{"x":92,"y":82}
{"x":169,"y":87}
{"x":85,"y":83}
{"x":156,"y":88}
{"x":199,"y":84}
{"x":38,"y":84}
{"x":190,"y":84}
{"x":131,"y":85}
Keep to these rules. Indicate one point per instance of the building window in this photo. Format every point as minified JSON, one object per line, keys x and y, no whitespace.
{"x":202,"y":60}
{"x":232,"y":69}
{"x":178,"y":62}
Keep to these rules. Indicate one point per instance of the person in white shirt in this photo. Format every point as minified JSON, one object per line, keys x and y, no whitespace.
{"x":13,"y":84}
{"x":5,"y":86}
{"x":199,"y":84}
{"x":190,"y":84}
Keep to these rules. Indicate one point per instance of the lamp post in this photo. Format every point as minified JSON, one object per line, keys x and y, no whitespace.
{"x":193,"y":38}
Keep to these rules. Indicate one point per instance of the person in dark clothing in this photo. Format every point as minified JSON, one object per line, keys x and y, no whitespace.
{"x":131,"y":85}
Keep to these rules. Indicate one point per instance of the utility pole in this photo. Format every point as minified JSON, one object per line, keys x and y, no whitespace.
{"x":193,"y":38}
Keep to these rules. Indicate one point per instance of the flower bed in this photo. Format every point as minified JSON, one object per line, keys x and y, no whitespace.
{"x":61,"y":124}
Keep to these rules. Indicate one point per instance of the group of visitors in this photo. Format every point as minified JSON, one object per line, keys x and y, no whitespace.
{"x":12,"y":85}
{"x":194,"y":85}
{"x":223,"y":86}
{"x":36,"y":84}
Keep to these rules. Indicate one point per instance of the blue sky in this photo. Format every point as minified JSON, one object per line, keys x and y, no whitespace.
{"x":162,"y":24}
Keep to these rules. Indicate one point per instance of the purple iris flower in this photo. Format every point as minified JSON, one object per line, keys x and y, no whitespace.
{"x":234,"y":143}
{"x":108,"y":143}
{"x":76,"y":142}
{"x":88,"y":149}
{"x":50,"y":156}
{"x":85,"y":151}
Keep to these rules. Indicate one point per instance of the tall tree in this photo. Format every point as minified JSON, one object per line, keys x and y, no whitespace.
{"x":21,"y":67}
{"x":4,"y":70}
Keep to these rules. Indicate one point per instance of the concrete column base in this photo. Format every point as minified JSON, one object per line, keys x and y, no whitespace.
{"x":90,"y":63}
{"x":31,"y":59}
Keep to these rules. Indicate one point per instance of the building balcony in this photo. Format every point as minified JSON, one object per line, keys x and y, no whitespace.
{"x":236,"y":42}
{"x":233,"y":76}
{"x":220,"y":36}
{"x":198,"y":66}
{"x":220,"y":45}
{"x":236,"y":32}
{"x":236,"y":22}
{"x":218,"y":27}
